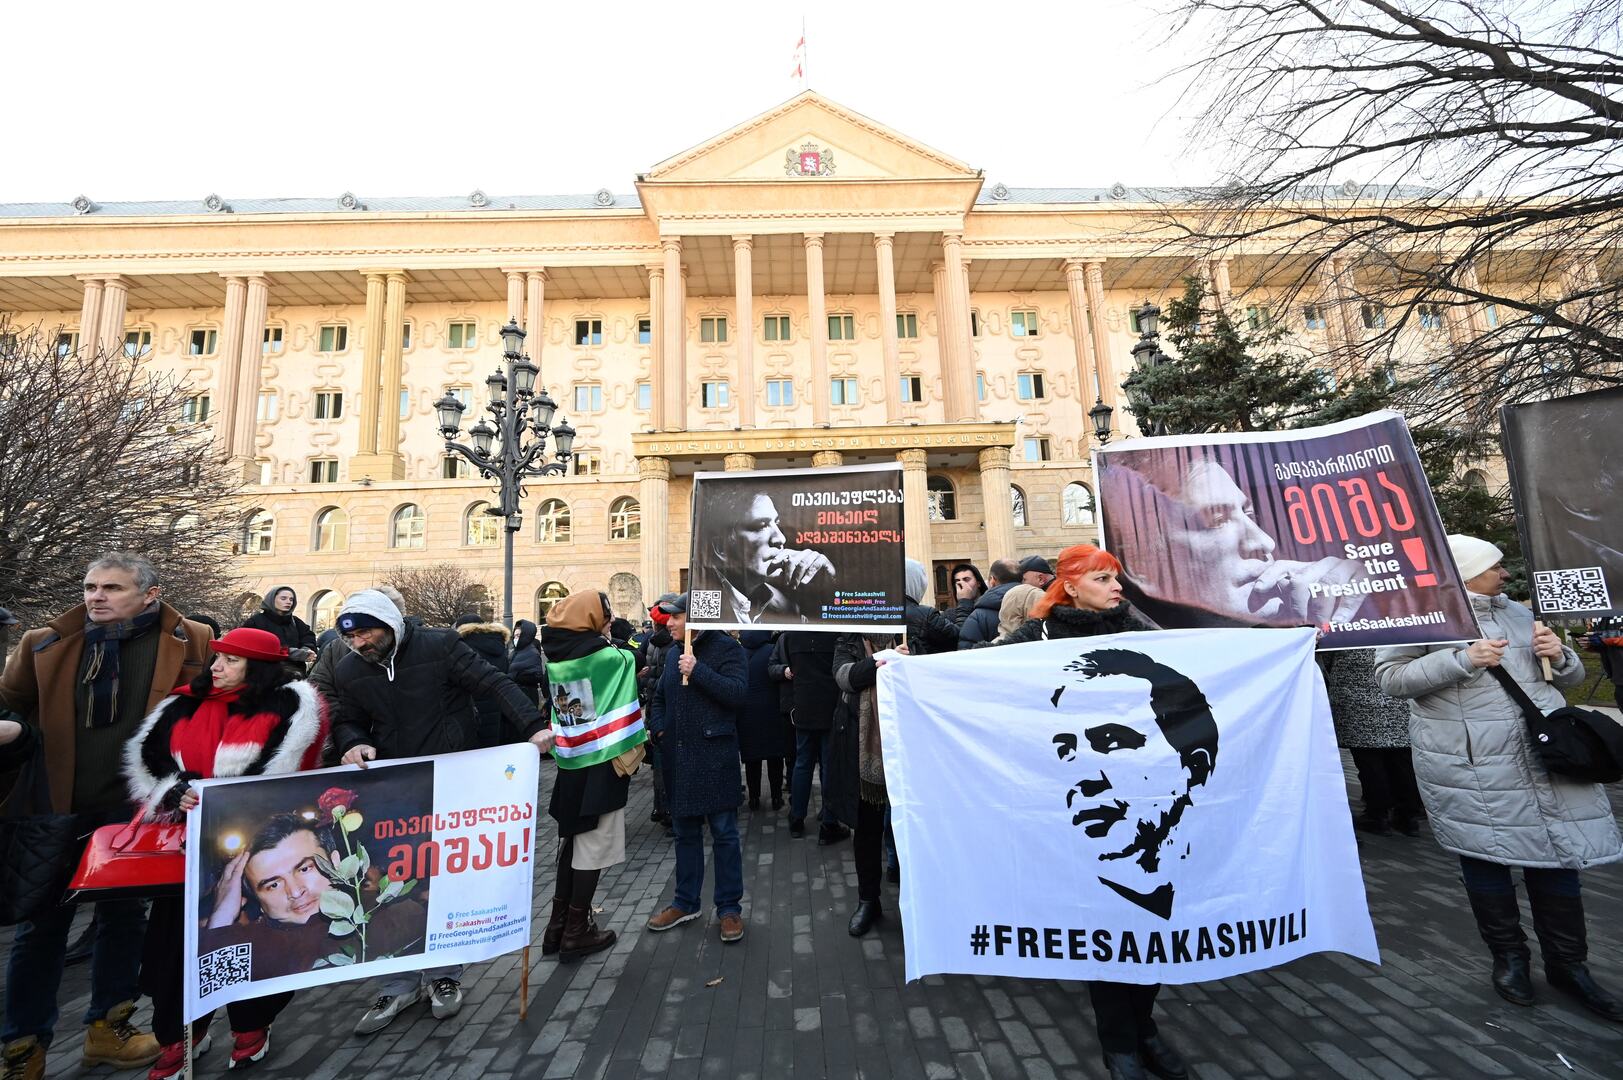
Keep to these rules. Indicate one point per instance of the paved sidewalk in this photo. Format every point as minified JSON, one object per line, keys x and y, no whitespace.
{"x":800,"y":997}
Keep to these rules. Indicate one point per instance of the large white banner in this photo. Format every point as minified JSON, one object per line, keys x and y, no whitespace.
{"x":1146,"y":807}
{"x":348,"y":873}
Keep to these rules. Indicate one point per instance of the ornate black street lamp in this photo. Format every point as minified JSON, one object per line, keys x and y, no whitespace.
{"x":1147,"y":353}
{"x":513,"y":449}
{"x":1100,"y":414}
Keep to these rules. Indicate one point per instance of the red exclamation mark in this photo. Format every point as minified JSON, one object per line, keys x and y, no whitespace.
{"x":1416,"y":550}
{"x":526,"y":848}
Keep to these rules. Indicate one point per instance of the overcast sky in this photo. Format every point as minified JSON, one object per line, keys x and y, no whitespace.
{"x":177,"y":100}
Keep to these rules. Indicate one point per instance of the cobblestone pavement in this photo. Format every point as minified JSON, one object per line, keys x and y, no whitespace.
{"x":800,"y":997}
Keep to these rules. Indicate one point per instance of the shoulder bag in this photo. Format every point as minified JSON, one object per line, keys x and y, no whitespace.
{"x":1578,"y":743}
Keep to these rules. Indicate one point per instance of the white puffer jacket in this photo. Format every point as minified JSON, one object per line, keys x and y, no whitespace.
{"x":1486,"y":792}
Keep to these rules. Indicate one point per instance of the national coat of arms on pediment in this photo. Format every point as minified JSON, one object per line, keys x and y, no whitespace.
{"x":809,"y":160}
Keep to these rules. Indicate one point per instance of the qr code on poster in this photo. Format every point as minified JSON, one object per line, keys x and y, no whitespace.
{"x":1583,"y":589}
{"x":224,"y":967}
{"x":706,"y":604}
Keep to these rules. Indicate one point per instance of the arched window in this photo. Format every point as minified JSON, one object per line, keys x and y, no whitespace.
{"x":625,"y":519}
{"x":324,"y":608}
{"x":1078,"y":504}
{"x":1017,"y":500}
{"x":1476,"y":479}
{"x":259,"y":533}
{"x":943,"y":499}
{"x":408,"y":526}
{"x":185,"y":523}
{"x":552,"y":524}
{"x":331,"y":530}
{"x":479,"y":528}
{"x":546,"y":596}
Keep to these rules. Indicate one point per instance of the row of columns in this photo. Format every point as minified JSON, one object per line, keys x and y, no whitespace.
{"x":653,"y":491}
{"x":101,"y":316}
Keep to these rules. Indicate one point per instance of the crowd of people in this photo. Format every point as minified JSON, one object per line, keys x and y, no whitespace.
{"x":122,"y":703}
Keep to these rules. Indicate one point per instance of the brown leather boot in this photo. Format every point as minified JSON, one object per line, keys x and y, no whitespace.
{"x":554,"y":932}
{"x":117,"y":1042}
{"x":581,"y":935}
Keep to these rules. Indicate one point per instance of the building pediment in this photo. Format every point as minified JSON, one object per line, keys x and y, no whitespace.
{"x":808,"y":139}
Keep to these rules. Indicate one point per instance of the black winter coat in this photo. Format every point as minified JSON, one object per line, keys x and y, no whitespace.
{"x":427,"y":706}
{"x":697,"y":726}
{"x":1070,"y":622}
{"x":489,"y":640}
{"x":811,"y":657}
{"x":763,"y":731}
{"x":981,"y":626}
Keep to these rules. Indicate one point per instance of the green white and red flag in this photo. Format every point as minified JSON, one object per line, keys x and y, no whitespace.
{"x":594,"y":708}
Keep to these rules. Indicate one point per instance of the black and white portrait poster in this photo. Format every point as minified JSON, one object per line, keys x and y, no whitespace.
{"x":304,"y":879}
{"x":815,"y":549}
{"x":1566,"y":478}
{"x":1149,"y":807}
{"x":1333,"y":527}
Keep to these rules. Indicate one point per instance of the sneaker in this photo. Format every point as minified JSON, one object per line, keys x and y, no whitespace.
{"x":445,"y":998}
{"x":172,"y":1058}
{"x":248,"y":1047}
{"x":24,"y":1059}
{"x":117,"y":1042}
{"x":732,"y":927}
{"x":385,"y":1009}
{"x":671,"y":916}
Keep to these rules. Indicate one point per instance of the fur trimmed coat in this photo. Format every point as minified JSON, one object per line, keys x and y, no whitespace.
{"x":279,"y":731}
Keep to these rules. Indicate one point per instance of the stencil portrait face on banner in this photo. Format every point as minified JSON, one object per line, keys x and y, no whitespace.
{"x":757,"y":569}
{"x":1133,"y":773}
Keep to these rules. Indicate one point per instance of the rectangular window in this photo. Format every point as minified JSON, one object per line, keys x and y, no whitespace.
{"x":1312,"y":317}
{"x":265,"y":408}
{"x":713,"y":329}
{"x":1256,"y":317}
{"x":645,"y":396}
{"x":453,"y":468}
{"x":461,"y":335}
{"x":780,"y":392}
{"x":1132,"y":321}
{"x":329,"y":405}
{"x":67,"y":344}
{"x":980,"y":386}
{"x":589,"y":398}
{"x":974,"y":322}
{"x":1029,"y":386}
{"x":775,"y":328}
{"x":1327,"y":380}
{"x":842,"y":392}
{"x":1036,"y":448}
{"x":907,"y":325}
{"x":645,"y":331}
{"x":137,"y":343}
{"x":713,"y":395}
{"x":1491,"y":313}
{"x":588,"y":463}
{"x":272,"y":341}
{"x":405,"y":335}
{"x":265,"y":478}
{"x":334,"y":338}
{"x":405,"y":404}
{"x":324,"y":471}
{"x":1374,"y":317}
{"x":588,"y":331}
{"x":204,"y":343}
{"x":1023,"y":324}
{"x":1431,"y":317}
{"x":195,"y":410}
{"x":912,"y":389}
{"x":462,"y":394}
{"x":842,"y":327}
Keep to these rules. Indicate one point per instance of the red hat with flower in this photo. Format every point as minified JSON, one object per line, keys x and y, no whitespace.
{"x":253,"y":644}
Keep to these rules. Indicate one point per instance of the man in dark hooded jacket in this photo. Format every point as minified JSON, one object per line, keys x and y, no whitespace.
{"x":489,"y":640}
{"x":981,"y":626}
{"x":275,"y":615}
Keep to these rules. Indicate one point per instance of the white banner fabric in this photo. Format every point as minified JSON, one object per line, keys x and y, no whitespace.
{"x":320,"y":877}
{"x":1162,"y":806}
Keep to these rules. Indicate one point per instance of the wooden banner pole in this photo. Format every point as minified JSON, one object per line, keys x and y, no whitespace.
{"x":687,"y":645}
{"x":1544,"y":661}
{"x":524,"y":986}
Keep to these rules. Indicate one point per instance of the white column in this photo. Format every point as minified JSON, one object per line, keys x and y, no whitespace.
{"x":673,"y":334}
{"x":90,"y":316}
{"x":958,"y":381}
{"x":535,"y":315}
{"x":1087,"y":372}
{"x":371,"y":363}
{"x":515,"y":296}
{"x":654,"y":493}
{"x":256,"y":305}
{"x":744,"y":328}
{"x":1094,"y":273}
{"x":394,"y":318}
{"x":916,"y":505}
{"x":817,"y":306}
{"x":885,"y":255}
{"x":997,"y":503}
{"x":114,"y":298}
{"x":229,"y":382}
{"x":656,"y":344}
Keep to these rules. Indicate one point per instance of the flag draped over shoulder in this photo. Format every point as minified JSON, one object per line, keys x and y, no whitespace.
{"x":594,"y":707}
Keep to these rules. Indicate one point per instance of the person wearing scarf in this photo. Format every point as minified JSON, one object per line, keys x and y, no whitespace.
{"x":244,"y":716}
{"x":598,"y":720}
{"x":101,"y":663}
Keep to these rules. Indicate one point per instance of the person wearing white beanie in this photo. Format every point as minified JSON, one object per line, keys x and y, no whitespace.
{"x":1487,"y":794}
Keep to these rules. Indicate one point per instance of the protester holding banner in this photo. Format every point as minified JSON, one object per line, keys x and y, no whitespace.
{"x":599,"y":724}
{"x":695,"y":721}
{"x":1085,"y":600}
{"x":245,"y":715}
{"x":1489,"y":797}
{"x":407,"y":690}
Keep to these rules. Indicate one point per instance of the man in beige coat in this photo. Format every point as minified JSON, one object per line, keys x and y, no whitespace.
{"x":82,"y":685}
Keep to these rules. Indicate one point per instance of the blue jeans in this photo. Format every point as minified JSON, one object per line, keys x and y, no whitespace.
{"x":729,"y":854}
{"x":34,"y":971}
{"x":1482,"y":876}
{"x":811,"y":751}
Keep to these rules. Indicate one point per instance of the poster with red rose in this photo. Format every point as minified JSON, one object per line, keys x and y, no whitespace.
{"x":321,"y":877}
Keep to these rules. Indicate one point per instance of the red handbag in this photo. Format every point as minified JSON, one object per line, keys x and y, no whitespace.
{"x":142,"y":858}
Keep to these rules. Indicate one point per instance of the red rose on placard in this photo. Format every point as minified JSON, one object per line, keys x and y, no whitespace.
{"x":335,"y":797}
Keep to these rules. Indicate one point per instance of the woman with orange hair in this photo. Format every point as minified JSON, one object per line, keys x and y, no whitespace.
{"x":1085,"y":600}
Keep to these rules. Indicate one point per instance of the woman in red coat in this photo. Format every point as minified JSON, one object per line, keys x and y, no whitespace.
{"x":245,"y":716}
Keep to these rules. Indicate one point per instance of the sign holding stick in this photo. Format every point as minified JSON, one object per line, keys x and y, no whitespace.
{"x":808,"y":549}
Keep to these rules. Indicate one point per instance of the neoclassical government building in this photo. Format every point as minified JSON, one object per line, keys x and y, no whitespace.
{"x":807,"y":288}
